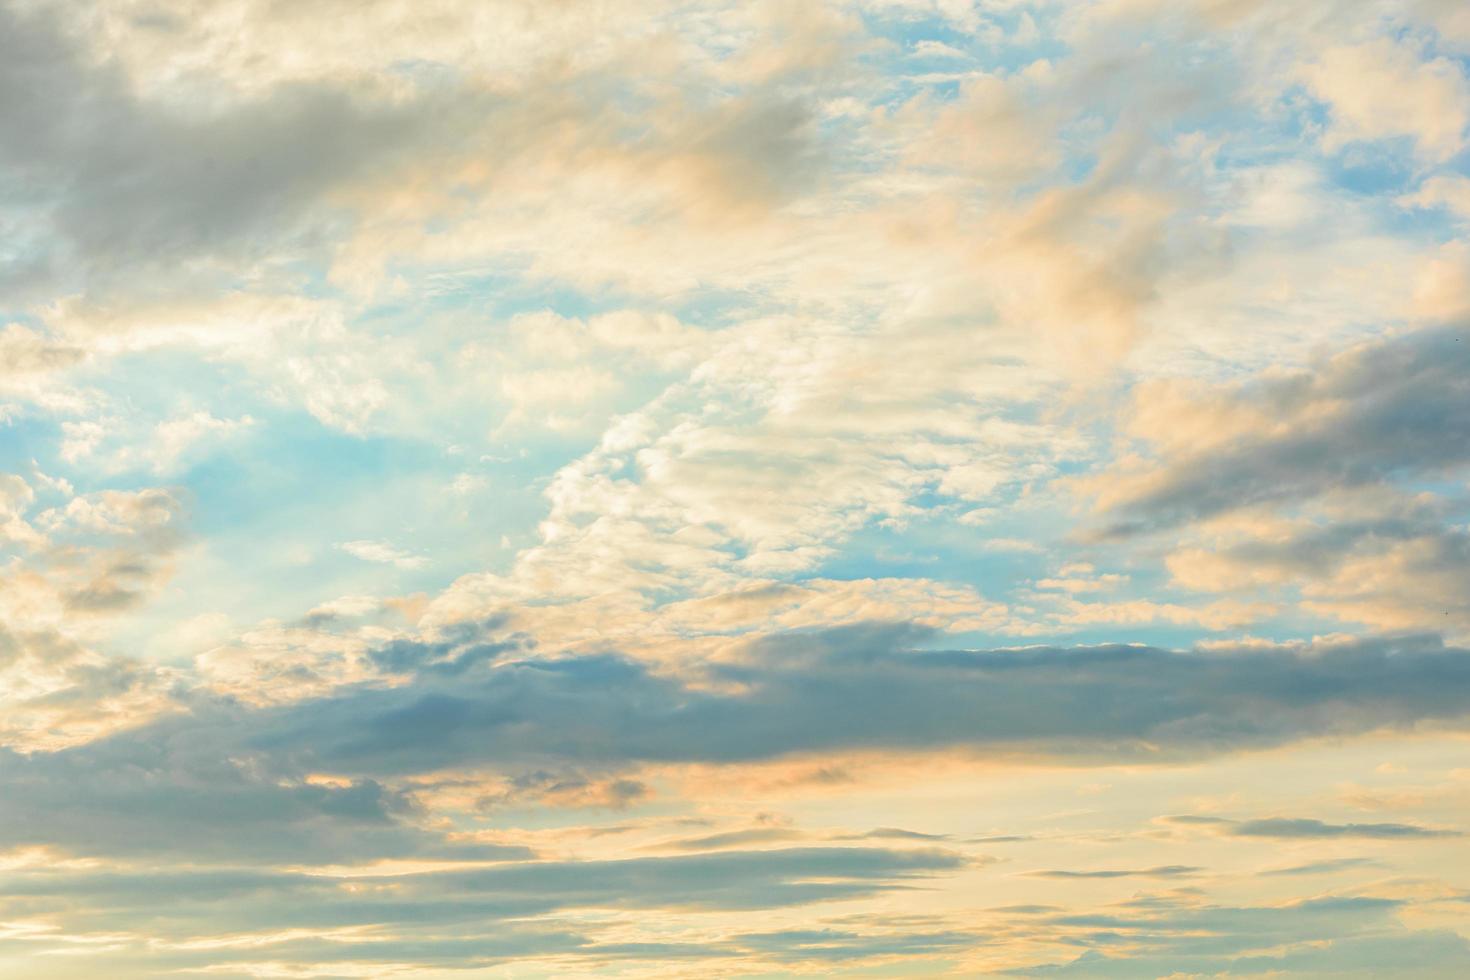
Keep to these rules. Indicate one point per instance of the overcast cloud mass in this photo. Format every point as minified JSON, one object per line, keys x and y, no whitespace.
{"x":685,"y":488}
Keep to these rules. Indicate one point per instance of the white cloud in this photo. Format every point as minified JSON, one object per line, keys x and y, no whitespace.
{"x":1449,"y":192}
{"x":936,"y":49}
{"x":383,"y":553}
{"x":1385,"y":88}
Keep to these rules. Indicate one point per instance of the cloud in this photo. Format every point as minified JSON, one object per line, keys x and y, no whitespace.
{"x":1338,"y":936}
{"x":898,"y":833}
{"x":383,"y":553}
{"x":132,"y":184}
{"x":1284,"y":827}
{"x":565,"y":790}
{"x":1320,"y":867}
{"x":859,"y":689}
{"x":55,"y":692}
{"x":1392,"y":563}
{"x":1308,"y":828}
{"x":760,"y":310}
{"x":160,"y":449}
{"x":734,"y":839}
{"x":442,"y":915}
{"x":836,"y":946}
{"x":1381,"y":410}
{"x":930,"y":48}
{"x":92,"y":557}
{"x":215,"y":809}
{"x":1449,"y":192}
{"x":25,"y":351}
{"x":1163,"y":871}
{"x":1385,"y":89}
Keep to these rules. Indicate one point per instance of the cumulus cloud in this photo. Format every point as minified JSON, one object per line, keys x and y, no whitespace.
{"x":1385,"y":88}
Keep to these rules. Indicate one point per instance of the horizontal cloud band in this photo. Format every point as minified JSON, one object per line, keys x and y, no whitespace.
{"x":861,"y":688}
{"x":229,"y":779}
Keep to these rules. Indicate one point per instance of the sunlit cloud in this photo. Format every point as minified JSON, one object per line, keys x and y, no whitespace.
{"x":642,"y":488}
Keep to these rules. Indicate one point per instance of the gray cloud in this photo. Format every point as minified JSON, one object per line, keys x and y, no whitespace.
{"x":862,"y":688}
{"x":109,"y":181}
{"x":734,"y":838}
{"x":1354,"y":936}
{"x":459,"y":918}
{"x":221,"y":778}
{"x":1163,"y":871}
{"x":1380,"y":411}
{"x":126,"y":183}
{"x":154,"y":792}
{"x":1423,"y":556}
{"x":898,"y":833}
{"x":1320,"y":867}
{"x":1310,"y":828}
{"x":833,"y":945}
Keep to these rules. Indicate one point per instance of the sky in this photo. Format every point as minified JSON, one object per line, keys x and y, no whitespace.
{"x":734,"y":488}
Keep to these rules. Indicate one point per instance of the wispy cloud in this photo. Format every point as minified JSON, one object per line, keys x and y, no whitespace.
{"x":384,"y":553}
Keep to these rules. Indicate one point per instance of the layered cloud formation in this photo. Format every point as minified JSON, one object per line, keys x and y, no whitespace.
{"x":641,"y":488}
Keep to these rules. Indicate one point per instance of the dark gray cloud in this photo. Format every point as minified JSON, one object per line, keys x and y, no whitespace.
{"x":863,"y":688}
{"x":152,"y":791}
{"x":1384,"y":410}
{"x":461,"y":648}
{"x":585,"y":723}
